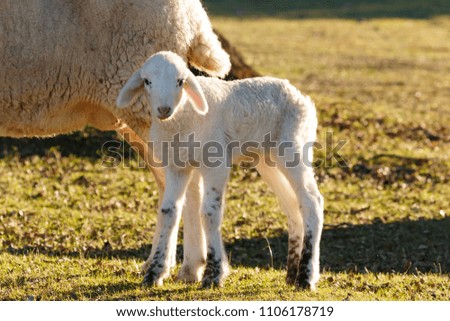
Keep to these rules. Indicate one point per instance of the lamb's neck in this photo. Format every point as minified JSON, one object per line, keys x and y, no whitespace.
{"x":184,"y":122}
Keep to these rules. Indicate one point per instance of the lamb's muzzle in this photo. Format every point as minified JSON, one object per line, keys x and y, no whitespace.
{"x":164,"y":112}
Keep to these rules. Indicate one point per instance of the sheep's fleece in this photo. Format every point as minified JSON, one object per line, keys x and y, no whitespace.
{"x":62,"y":62}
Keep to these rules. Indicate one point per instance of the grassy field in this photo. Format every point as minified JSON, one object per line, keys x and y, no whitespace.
{"x":71,"y":229}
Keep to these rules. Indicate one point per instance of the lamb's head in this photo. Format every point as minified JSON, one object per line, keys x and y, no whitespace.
{"x":167,"y":83}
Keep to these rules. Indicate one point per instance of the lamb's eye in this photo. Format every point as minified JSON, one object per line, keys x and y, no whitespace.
{"x":180,"y":82}
{"x":147,"y":82}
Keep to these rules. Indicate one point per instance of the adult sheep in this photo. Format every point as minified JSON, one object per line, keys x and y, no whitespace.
{"x":62,"y":63}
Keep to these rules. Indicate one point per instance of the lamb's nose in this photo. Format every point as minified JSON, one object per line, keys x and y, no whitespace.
{"x":164,"y":110}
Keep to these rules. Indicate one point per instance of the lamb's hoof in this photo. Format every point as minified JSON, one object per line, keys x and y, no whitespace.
{"x":187,"y":275}
{"x":211,"y":282}
{"x":302,"y":285}
{"x":290,"y":279}
{"x":300,"y":282}
{"x":152,"y":279}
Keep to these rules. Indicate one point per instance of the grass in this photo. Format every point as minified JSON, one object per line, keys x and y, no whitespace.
{"x":63,"y":278}
{"x":71,"y":229}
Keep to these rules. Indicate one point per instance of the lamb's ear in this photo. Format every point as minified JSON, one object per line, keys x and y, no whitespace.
{"x":195,"y":94}
{"x":131,"y":89}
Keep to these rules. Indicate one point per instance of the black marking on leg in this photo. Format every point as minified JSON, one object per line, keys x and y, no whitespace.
{"x":151,"y":275}
{"x":216,"y":202}
{"x":154,"y":270}
{"x":304,"y":271}
{"x":293,"y":261}
{"x":168,"y":210}
{"x":213,"y":269}
{"x":149,"y":278}
{"x":215,"y":206}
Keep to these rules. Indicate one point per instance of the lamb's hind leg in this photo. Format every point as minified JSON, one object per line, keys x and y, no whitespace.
{"x":310,"y":202}
{"x":288,"y":202}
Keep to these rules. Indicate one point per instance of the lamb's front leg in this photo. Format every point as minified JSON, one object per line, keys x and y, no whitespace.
{"x":169,"y":218}
{"x":194,"y":243}
{"x":217,"y":268}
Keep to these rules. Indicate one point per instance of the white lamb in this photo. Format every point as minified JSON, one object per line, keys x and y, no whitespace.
{"x":219,"y":113}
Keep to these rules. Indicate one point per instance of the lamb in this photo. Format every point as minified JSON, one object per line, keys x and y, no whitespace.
{"x":201,"y":112}
{"x":62,"y":64}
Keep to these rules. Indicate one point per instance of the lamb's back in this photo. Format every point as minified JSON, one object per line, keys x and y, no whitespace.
{"x":251,"y":108}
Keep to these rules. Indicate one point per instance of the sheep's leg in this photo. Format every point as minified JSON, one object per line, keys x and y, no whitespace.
{"x":169,"y":215}
{"x":217,"y":269}
{"x":310,"y":201}
{"x":140,"y":145}
{"x":194,"y":238}
{"x":144,"y":151}
{"x":288,"y":202}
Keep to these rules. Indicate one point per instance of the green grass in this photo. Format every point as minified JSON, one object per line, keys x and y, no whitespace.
{"x":71,"y":229}
{"x":42,"y":277}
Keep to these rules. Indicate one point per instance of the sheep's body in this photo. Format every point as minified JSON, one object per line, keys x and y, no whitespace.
{"x":242,"y":112}
{"x":63,"y":62}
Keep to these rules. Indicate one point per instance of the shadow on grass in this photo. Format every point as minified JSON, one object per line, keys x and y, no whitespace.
{"x":401,"y":247}
{"x":125,"y":290}
{"x":349,"y":9}
{"x":97,"y":291}
{"x":87,"y":144}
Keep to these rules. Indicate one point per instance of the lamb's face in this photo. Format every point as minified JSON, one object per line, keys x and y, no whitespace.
{"x":164,"y":77}
{"x":168,"y":84}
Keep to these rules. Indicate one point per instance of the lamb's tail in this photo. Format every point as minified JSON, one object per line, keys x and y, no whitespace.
{"x":310,"y":118}
{"x":307,"y":109}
